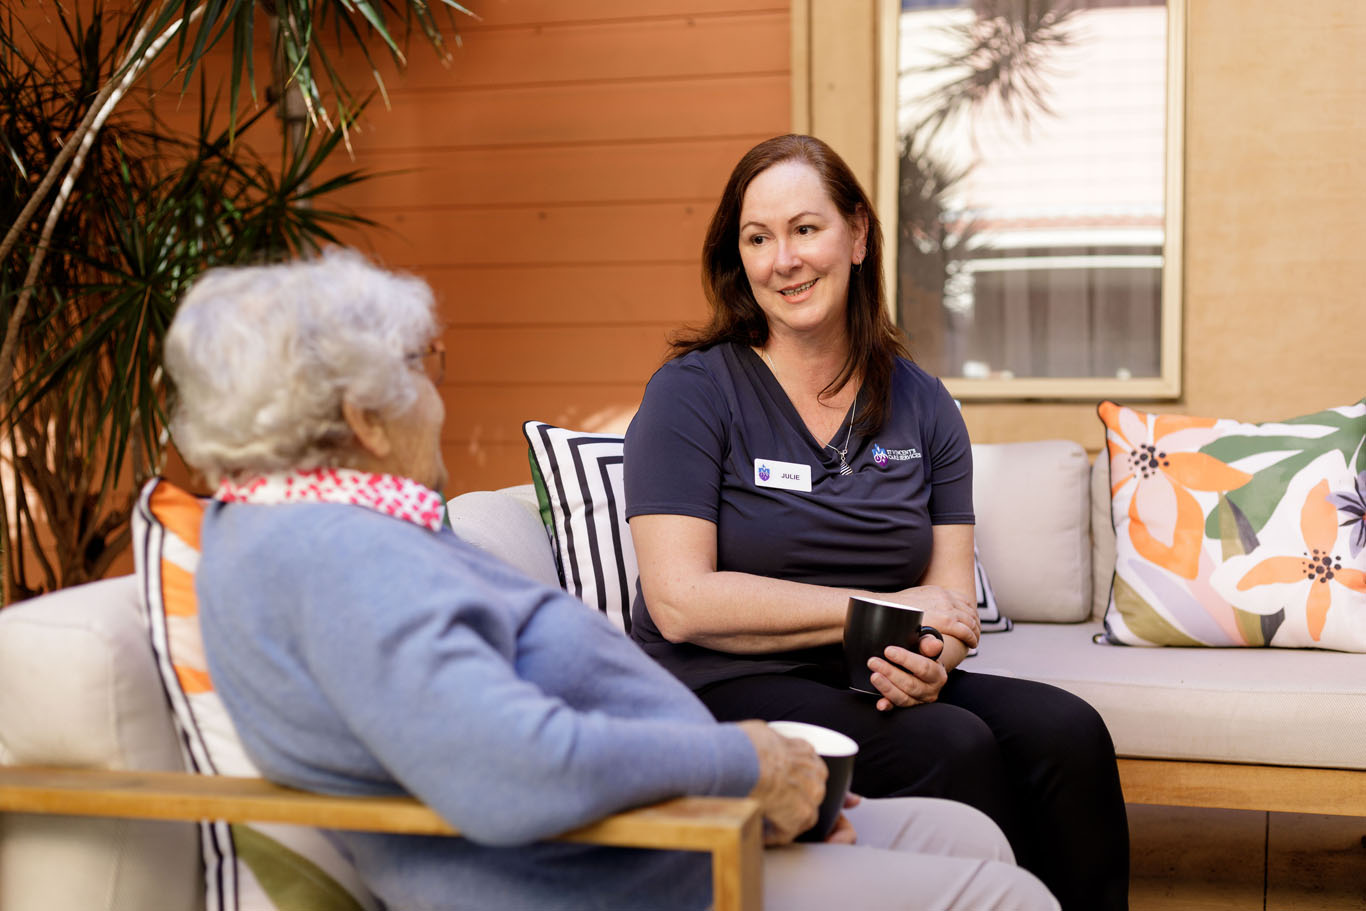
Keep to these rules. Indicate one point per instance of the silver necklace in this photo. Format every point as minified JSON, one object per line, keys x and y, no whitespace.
{"x":853,"y":409}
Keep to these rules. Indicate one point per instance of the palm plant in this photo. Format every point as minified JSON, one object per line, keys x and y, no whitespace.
{"x":111,"y":215}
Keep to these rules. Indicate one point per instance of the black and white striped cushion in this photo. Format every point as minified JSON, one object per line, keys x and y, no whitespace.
{"x":987,"y":611}
{"x":579,"y":486}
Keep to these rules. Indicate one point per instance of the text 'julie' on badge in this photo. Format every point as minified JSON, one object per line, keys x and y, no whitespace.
{"x":782,"y":475}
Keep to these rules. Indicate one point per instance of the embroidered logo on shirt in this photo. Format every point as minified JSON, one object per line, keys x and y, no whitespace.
{"x":782,"y":475}
{"x":883,"y":456}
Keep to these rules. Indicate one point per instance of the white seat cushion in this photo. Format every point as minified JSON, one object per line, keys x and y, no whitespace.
{"x":1275,"y":706}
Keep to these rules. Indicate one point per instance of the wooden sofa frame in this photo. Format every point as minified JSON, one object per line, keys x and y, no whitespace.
{"x":1242,"y":786}
{"x":729,"y":829}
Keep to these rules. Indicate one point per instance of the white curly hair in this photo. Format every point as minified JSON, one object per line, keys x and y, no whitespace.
{"x":262,"y":357}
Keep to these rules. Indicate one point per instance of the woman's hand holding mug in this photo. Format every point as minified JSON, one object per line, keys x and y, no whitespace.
{"x":946,"y":610}
{"x":905,"y":678}
{"x":890,"y":652}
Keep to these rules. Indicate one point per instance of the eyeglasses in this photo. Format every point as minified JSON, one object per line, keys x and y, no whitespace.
{"x":433,"y":359}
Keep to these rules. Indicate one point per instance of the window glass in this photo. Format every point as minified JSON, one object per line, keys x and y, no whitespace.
{"x":1033,"y":148}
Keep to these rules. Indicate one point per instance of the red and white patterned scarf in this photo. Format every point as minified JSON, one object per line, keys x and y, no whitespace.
{"x":398,"y":497}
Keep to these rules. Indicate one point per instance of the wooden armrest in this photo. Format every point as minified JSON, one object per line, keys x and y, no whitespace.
{"x":730,"y":829}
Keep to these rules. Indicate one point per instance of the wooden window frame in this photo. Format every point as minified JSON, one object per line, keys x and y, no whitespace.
{"x":842,"y":93}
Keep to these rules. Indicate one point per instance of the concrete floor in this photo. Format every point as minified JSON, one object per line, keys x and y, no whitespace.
{"x":1187,"y":859}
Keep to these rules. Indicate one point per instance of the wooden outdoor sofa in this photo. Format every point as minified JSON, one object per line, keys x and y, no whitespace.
{"x":1257,"y":729}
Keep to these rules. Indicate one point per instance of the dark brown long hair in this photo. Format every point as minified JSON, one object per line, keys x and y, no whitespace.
{"x":874,"y":342}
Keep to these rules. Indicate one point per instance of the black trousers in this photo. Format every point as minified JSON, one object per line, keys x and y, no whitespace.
{"x":1035,"y":758}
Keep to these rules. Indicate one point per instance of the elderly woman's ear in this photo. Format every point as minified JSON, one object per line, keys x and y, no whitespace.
{"x":372,"y":433}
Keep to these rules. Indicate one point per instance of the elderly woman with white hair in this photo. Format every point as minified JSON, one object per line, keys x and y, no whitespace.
{"x":361,"y":648}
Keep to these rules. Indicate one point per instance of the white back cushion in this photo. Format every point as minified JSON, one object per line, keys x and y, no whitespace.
{"x":504,"y":524}
{"x":80,"y":689}
{"x":1033,"y":527}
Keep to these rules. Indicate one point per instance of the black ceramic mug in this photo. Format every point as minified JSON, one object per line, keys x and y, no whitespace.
{"x":870,"y":626}
{"x":838,"y":751}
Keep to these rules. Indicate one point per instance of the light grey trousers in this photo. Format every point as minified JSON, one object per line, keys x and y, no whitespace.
{"x":913,"y":853}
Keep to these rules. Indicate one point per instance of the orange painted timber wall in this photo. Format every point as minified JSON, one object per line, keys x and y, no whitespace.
{"x":555,"y":184}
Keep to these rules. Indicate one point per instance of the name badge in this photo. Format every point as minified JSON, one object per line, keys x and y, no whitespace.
{"x":783,"y":475}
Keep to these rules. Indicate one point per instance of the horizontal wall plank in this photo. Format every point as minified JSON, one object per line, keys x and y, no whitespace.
{"x":500,"y":13}
{"x":569,"y":294}
{"x":519,"y":42}
{"x":484,"y":465}
{"x":623,"y":233}
{"x":553,"y":114}
{"x":495,"y":413}
{"x":555,"y":356}
{"x":672,"y":47}
{"x":600,"y":173}
{"x":618,"y":112}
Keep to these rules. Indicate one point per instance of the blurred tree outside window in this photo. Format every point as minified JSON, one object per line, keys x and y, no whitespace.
{"x":1033,"y":150}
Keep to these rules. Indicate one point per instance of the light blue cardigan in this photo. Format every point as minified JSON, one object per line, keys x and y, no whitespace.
{"x":360,"y":654}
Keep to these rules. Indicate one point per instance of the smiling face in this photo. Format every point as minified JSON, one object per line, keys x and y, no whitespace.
{"x":797,"y":250}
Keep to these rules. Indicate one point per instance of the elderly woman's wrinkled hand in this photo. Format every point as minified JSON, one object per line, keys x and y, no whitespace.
{"x":946,"y":610}
{"x":905,"y":678}
{"x":791,"y":782}
{"x":843,"y":833}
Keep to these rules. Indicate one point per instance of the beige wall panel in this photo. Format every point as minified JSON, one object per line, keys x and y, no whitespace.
{"x":843,"y":72}
{"x":1275,"y":275}
{"x":1005,"y":422}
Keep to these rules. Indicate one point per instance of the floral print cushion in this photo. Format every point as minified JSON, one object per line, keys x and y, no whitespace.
{"x":1234,"y":534}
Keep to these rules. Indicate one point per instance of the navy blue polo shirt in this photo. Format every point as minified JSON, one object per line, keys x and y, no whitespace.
{"x":717,"y":438}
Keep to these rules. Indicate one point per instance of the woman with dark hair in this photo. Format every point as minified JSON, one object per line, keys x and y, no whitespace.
{"x":790,"y":455}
